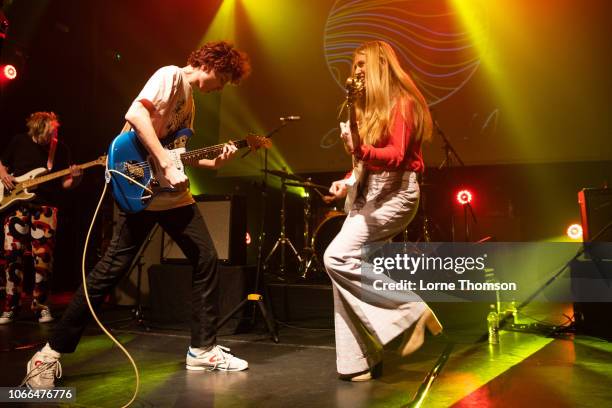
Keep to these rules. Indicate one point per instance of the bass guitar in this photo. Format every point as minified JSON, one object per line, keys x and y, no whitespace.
{"x":33,"y":178}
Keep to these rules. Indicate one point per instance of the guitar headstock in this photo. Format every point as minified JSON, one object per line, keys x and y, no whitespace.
{"x":256,"y":141}
{"x":355,"y":88}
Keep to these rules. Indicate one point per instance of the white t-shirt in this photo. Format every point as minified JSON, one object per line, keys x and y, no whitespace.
{"x":173,"y":109}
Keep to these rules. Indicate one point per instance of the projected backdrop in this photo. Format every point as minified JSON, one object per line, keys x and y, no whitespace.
{"x":504,"y":78}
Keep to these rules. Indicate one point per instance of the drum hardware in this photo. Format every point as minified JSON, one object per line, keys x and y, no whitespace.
{"x":284,"y":175}
{"x":255,"y":297}
{"x":311,"y":185}
{"x":425,"y":232}
{"x":282,"y":240}
{"x":311,"y":263}
{"x":325,"y":232}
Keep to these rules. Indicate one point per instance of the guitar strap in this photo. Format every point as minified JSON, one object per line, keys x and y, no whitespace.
{"x":192,"y":115}
{"x":52,"y":149}
{"x":126,"y":127}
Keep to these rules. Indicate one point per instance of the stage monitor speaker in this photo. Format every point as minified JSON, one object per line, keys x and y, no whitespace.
{"x":226,"y":219}
{"x":596,"y":213}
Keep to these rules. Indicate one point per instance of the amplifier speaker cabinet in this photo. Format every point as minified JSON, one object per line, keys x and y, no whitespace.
{"x":226,"y":219}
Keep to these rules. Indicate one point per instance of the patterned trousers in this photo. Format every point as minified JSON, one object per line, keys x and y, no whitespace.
{"x":366,"y":321}
{"x":29,"y":230}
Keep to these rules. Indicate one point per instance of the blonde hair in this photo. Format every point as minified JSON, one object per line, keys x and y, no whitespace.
{"x":40,"y":123}
{"x":387,"y":84}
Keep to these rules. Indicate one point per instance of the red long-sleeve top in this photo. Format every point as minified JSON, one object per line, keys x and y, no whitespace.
{"x":397,"y":150}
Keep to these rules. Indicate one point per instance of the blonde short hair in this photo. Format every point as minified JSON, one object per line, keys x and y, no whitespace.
{"x":39,"y":123}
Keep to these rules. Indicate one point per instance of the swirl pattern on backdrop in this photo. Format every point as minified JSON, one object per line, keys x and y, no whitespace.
{"x":427,"y":35}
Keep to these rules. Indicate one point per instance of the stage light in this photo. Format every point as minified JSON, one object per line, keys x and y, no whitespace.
{"x":574,"y":231}
{"x":9,"y":72}
{"x":464,"y":197}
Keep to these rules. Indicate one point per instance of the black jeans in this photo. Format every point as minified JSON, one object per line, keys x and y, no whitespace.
{"x":186,"y":227}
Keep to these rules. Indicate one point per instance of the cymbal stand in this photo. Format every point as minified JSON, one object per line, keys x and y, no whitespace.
{"x":425,"y":228}
{"x":282,"y":240}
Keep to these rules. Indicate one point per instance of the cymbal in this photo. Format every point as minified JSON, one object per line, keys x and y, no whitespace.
{"x":307,"y":184}
{"x":283,"y":174}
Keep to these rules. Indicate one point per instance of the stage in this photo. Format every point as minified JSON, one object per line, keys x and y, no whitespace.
{"x":501,"y":108}
{"x":525,"y":369}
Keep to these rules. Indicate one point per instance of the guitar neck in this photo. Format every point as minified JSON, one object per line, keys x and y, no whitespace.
{"x":354,"y":130}
{"x":193,"y":156}
{"x":51,"y":176}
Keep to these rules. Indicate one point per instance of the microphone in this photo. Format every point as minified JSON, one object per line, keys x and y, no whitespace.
{"x":290,"y":118}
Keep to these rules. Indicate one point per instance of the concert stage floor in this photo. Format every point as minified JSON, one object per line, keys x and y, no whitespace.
{"x":526,"y":370}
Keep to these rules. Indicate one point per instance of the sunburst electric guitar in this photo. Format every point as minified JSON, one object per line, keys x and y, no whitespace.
{"x":30,"y":180}
{"x":134,"y":178}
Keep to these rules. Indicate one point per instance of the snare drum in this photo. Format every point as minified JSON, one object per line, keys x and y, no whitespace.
{"x":326,"y":232}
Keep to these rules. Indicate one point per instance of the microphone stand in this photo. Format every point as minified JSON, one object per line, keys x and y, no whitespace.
{"x":449,"y":150}
{"x":264,"y":194}
{"x":467,"y":207}
{"x":256,"y":296}
{"x":451,"y":157}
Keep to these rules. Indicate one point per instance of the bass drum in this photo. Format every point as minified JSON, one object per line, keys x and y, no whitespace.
{"x":326,"y":232}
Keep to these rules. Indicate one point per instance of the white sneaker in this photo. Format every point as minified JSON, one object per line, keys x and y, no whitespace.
{"x":45,"y":315}
{"x":217,"y":358}
{"x":42,"y":370}
{"x":7,"y":317}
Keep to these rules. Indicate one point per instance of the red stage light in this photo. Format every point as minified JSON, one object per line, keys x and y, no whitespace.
{"x":464,"y":197}
{"x":9,"y":72}
{"x":574,"y":231}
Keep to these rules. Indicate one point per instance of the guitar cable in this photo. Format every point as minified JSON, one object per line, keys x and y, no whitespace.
{"x":107,"y":177}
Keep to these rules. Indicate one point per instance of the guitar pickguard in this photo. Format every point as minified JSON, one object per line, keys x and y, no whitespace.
{"x":175,"y":158}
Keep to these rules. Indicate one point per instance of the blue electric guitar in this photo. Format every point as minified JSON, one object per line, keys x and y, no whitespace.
{"x":134,"y":178}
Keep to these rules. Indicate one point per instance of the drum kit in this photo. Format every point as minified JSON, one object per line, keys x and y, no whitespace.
{"x":310,"y":259}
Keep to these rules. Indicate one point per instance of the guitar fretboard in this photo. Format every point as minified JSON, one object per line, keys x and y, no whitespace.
{"x":210,"y":152}
{"x":51,"y":176}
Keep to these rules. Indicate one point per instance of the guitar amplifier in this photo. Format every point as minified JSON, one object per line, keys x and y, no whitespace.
{"x":226,"y":219}
{"x":596,"y":213}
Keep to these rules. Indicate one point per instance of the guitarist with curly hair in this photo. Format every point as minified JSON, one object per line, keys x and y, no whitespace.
{"x":163,"y":107}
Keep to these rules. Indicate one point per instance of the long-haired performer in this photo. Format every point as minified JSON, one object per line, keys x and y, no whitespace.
{"x":389,"y":120}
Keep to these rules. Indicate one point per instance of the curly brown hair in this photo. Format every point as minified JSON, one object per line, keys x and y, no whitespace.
{"x":222,"y":57}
